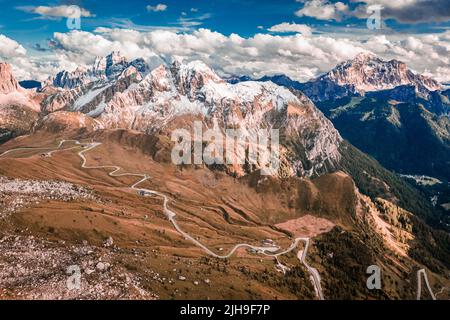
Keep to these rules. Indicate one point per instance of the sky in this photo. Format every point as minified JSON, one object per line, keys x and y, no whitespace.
{"x":299,"y":38}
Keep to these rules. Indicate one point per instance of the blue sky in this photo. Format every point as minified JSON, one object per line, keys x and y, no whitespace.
{"x":231,"y":16}
{"x":330,"y":30}
{"x":242,"y":17}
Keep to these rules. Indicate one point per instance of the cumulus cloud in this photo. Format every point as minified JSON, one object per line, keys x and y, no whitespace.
{"x":63,"y":11}
{"x":158,"y":8}
{"x":291,"y":27}
{"x":25,"y":67}
{"x":10,"y":48}
{"x":299,"y":56}
{"x":322,"y":9}
{"x":82,"y":47}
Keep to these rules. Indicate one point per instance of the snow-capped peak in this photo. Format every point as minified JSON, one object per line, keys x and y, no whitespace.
{"x":130,"y":71}
{"x":365,"y":73}
{"x":115,"y":57}
{"x":191,"y":90}
{"x":368,"y":72}
{"x":365,"y":56}
{"x":192,"y":68}
{"x":103,"y":68}
{"x":191,"y":76}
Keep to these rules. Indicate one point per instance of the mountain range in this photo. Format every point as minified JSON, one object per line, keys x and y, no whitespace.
{"x":119,"y":95}
{"x":330,"y":186}
{"x":367,"y":99}
{"x":397,"y":116}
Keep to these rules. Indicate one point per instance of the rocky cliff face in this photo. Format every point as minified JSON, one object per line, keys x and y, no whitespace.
{"x":366,"y":73}
{"x":18,"y":107}
{"x":153,"y":102}
{"x":404,"y":132}
{"x":8,"y":83}
{"x":107,"y":68}
{"x":371,"y":100}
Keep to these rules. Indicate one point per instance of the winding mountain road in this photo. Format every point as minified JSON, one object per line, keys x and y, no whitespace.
{"x":58,"y":148}
{"x":419,"y":284}
{"x":268,"y":251}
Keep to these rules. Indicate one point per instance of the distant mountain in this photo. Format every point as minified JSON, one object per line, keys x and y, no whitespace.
{"x":400,"y":118}
{"x":366,"y":73}
{"x":103,"y":69}
{"x":234,"y":80}
{"x":387,"y":111}
{"x":280,"y":79}
{"x":403,"y":131}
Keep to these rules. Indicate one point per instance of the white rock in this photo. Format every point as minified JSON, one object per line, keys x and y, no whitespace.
{"x":101,"y":266}
{"x":108,"y":242}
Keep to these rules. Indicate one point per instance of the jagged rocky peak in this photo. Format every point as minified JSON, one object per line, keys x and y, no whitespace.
{"x":66,"y":79}
{"x":182,"y":91}
{"x":8,"y":83}
{"x":99,"y":65}
{"x":140,"y":65}
{"x":110,"y":67}
{"x":193,"y":75}
{"x":368,"y":72}
{"x":363,"y":57}
{"x":115,"y":64}
{"x":115,"y":58}
{"x":12,"y":94}
{"x":130,"y":71}
{"x":18,"y":107}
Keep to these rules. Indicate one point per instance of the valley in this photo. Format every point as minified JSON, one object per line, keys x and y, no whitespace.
{"x":159,"y":238}
{"x":90,"y":193}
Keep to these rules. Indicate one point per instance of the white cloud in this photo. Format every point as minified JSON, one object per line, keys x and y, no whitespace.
{"x":158,"y":8}
{"x":63,"y":11}
{"x":291,"y":27}
{"x":191,"y":22}
{"x":299,"y":56}
{"x":10,"y":48}
{"x":25,"y":67}
{"x":322,"y":10}
{"x":82,"y":47}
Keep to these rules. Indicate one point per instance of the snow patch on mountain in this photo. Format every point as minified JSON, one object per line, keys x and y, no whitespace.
{"x":153,"y":101}
{"x":88,"y":97}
